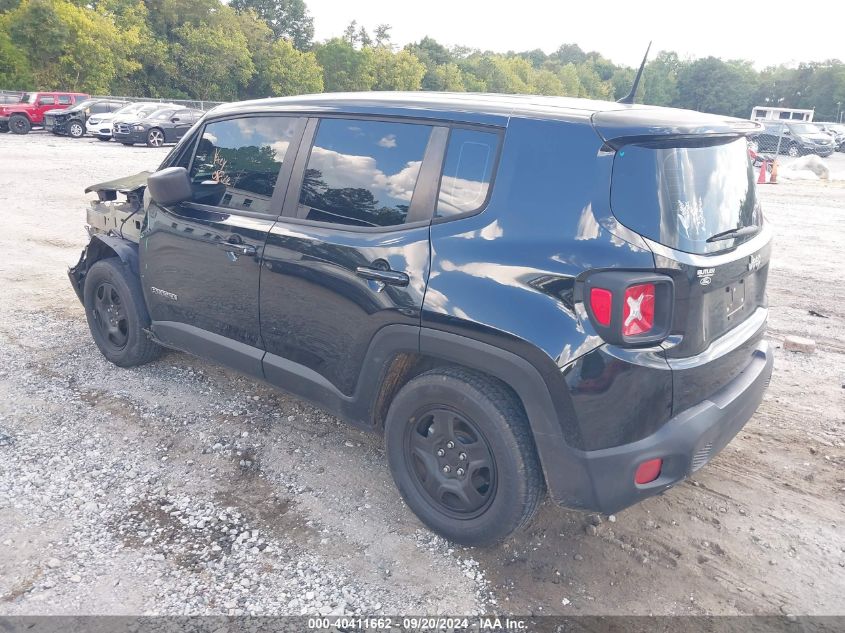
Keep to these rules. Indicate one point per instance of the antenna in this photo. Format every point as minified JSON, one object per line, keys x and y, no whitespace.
{"x":629,"y":98}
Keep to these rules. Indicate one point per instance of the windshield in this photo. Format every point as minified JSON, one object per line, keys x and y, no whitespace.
{"x":680,"y":196}
{"x":162,"y":114}
{"x":805,"y":128}
{"x":84,"y":104}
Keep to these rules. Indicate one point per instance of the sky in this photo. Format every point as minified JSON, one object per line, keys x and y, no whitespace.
{"x":747,"y":29}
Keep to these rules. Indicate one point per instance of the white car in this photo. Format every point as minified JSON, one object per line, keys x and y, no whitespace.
{"x":100,"y":125}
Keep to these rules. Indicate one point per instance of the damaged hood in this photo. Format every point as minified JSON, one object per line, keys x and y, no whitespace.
{"x":126,"y":184}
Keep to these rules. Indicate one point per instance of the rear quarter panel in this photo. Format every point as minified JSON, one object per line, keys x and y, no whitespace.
{"x":506,"y":276}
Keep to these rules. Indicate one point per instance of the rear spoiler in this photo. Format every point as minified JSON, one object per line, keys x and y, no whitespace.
{"x":651,"y":124}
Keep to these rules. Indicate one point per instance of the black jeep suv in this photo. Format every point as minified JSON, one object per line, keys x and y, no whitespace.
{"x":520,"y":292}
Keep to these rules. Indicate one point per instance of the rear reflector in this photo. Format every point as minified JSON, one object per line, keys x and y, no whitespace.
{"x":638,"y":310}
{"x":601,"y":301}
{"x":648,"y":471}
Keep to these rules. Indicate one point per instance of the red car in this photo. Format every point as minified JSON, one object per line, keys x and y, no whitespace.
{"x":21,"y":117}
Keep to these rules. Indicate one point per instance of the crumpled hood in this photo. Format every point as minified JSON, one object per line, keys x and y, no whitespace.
{"x":124,"y":185}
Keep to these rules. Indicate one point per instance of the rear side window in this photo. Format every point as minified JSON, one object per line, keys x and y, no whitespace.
{"x":467,"y":171}
{"x":362,"y":173}
{"x":680,"y":196}
{"x":238,"y":160}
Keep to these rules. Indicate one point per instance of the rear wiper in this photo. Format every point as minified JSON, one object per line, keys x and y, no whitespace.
{"x":730,"y":233}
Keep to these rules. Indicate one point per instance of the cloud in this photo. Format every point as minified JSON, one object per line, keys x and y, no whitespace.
{"x":348,"y":170}
{"x":459,"y":194}
{"x":388,"y":141}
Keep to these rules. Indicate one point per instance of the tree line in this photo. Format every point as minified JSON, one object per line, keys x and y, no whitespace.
{"x":205,"y":49}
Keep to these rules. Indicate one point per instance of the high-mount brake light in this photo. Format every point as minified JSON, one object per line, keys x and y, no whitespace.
{"x":638,"y":310}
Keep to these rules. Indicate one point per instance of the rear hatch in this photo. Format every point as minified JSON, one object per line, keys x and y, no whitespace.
{"x":683,"y":181}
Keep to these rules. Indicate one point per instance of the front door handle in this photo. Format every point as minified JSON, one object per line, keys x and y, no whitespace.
{"x":238,"y":249}
{"x":390,"y":277}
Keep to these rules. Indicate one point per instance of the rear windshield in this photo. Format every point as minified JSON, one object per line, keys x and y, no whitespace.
{"x":680,"y":196}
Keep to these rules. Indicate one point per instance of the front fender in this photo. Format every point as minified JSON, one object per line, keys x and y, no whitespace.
{"x":101,"y":247}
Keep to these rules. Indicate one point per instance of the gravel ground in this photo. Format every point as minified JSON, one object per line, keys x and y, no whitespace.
{"x":183,"y":488}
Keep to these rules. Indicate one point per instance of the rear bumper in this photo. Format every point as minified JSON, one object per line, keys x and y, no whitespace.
{"x":685,"y":443}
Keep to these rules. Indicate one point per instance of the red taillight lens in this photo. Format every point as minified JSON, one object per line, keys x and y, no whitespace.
{"x":638,"y":310}
{"x":601,"y":301}
{"x":648,"y":471}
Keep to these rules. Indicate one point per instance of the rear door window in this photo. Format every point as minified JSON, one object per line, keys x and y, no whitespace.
{"x":362,"y":173}
{"x":237,"y":161}
{"x":467,"y":171}
{"x":680,"y":196}
{"x":47,"y":100}
{"x":65,"y":100}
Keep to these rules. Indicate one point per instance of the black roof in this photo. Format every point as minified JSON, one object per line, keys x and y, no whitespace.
{"x":497,"y":109}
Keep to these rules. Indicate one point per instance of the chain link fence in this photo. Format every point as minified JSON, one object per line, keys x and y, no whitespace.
{"x":14,"y":96}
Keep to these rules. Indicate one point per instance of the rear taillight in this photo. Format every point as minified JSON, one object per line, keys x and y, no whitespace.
{"x":601,"y":302}
{"x":638,"y":310}
{"x":629,"y":308}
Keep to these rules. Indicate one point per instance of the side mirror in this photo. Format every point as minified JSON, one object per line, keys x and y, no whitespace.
{"x":175,"y":119}
{"x":170,"y":186}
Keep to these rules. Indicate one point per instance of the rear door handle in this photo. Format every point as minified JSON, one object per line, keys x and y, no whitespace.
{"x":390,"y":277}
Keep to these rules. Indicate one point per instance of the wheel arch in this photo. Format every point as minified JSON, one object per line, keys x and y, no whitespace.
{"x":399,"y":353}
{"x":101,"y":247}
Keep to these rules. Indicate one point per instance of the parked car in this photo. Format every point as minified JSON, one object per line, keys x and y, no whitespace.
{"x":72,"y":121}
{"x":521,"y":293}
{"x":21,"y":117}
{"x":793,"y":138}
{"x":165,"y":125}
{"x":836,"y":131}
{"x":100,"y":125}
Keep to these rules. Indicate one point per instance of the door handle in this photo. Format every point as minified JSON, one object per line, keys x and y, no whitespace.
{"x":239,"y":249}
{"x":390,"y":277}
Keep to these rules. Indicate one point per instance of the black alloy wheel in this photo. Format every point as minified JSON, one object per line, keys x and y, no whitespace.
{"x":452,"y":464}
{"x":110,"y":315}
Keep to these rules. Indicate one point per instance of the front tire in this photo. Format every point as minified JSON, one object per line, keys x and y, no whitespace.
{"x":19,"y":124}
{"x":76,"y":130}
{"x":461,"y":453}
{"x":794,"y":151}
{"x":117,"y":314}
{"x":155,"y":138}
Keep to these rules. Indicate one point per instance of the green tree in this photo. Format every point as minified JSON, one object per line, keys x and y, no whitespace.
{"x":70,"y":46}
{"x":344,"y":67}
{"x":447,"y":77}
{"x":660,"y":79}
{"x":287,"y":18}
{"x":382,"y":35}
{"x":14,"y":66}
{"x":396,"y":71}
{"x":291,"y":72}
{"x":214,"y":61}
{"x":712,"y":85}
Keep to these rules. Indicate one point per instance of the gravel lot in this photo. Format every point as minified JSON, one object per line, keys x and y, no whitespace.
{"x":181,"y":487}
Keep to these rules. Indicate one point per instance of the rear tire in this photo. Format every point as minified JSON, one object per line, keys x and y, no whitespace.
{"x":461,"y":453}
{"x":19,"y":124}
{"x":117,"y":314}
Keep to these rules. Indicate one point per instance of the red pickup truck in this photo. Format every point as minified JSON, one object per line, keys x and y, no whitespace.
{"x":21,"y":117}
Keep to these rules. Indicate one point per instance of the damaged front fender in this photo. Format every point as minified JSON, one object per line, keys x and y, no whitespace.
{"x":100,"y":247}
